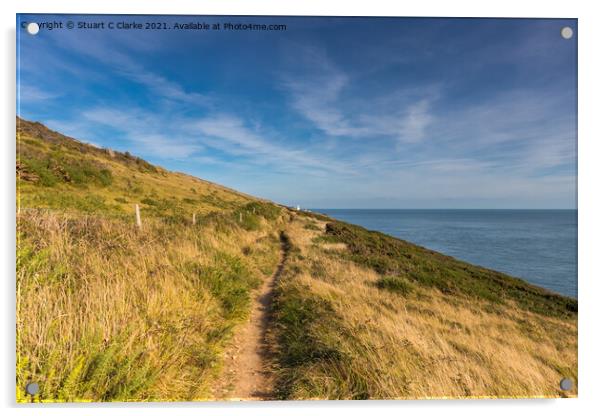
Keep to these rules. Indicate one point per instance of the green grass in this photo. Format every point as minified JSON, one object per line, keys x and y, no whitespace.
{"x":56,"y":167}
{"x":229,"y":280}
{"x":303,"y":339}
{"x":112,"y":324}
{"x":378,"y":318}
{"x":395,"y":284}
{"x":58,"y":172}
{"x":80,"y":202}
{"x":312,"y":226}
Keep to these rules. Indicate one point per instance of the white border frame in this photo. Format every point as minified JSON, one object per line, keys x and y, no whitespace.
{"x":589,"y":199}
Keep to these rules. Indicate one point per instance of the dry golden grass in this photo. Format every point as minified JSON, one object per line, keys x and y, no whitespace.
{"x":109,"y":312}
{"x":106,"y":311}
{"x":365,"y":342}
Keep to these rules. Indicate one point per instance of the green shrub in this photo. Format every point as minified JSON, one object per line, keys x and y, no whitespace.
{"x":263,"y":209}
{"x":248,"y":222}
{"x":395,"y":284}
{"x":41,"y":169}
{"x":57,"y":167}
{"x":149,"y":201}
{"x":312,"y":226}
{"x":230,"y":281}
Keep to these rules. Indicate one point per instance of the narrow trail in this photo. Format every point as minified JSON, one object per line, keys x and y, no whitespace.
{"x":247,"y":365}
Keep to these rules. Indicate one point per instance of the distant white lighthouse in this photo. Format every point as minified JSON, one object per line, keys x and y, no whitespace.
{"x":298,"y":208}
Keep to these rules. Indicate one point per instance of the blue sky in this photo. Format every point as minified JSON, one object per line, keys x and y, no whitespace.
{"x":331,"y":113}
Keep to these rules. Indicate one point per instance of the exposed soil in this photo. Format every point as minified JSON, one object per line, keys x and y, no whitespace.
{"x":247,"y":369}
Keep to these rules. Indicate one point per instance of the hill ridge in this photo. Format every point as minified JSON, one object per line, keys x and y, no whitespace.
{"x":122,"y":313}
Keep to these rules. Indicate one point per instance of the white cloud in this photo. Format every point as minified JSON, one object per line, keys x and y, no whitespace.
{"x":160,"y":85}
{"x":28,"y":93}
{"x":503,"y":148}
{"x":148,"y":132}
{"x":229,"y":134}
{"x":318,"y":93}
{"x":415,"y":121}
{"x":113,"y":52}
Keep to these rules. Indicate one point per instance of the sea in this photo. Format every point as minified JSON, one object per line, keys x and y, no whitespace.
{"x":539,"y":246}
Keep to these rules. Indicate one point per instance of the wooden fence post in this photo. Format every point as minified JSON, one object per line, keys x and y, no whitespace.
{"x":240,"y":217}
{"x":193,"y":218}
{"x":138,"y":221}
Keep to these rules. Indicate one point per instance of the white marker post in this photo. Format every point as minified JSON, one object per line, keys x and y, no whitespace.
{"x":138,"y":220}
{"x":193,"y":218}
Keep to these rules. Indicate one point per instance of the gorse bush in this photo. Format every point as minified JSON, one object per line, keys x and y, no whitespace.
{"x":58,"y":168}
{"x":41,"y":170}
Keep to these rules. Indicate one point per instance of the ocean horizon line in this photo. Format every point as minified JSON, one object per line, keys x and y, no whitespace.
{"x":445,"y":209}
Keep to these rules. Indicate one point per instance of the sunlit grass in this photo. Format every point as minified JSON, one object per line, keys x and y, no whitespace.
{"x":349,"y":332}
{"x":108,"y":311}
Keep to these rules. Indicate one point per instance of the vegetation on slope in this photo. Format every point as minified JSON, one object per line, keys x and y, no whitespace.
{"x":61,"y":173}
{"x":361,"y":315}
{"x":107,"y":311}
{"x":403,"y":265}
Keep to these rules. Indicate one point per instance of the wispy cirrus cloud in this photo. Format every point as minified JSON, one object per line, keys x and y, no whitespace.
{"x":320,"y":95}
{"x":160,"y":85}
{"x":230,"y":134}
{"x":183,"y":138}
{"x":408,"y":117}
{"x":32,"y":93}
{"x":147,"y":133}
{"x":118,"y":54}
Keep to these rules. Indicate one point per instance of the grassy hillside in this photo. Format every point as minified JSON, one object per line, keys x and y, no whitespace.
{"x":107,"y":311}
{"x":59,"y":172}
{"x":362,"y":315}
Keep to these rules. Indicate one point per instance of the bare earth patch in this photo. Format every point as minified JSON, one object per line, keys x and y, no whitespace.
{"x":247,"y":372}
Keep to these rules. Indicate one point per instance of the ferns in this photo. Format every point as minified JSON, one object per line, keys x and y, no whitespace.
{"x":69,"y":390}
